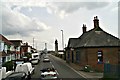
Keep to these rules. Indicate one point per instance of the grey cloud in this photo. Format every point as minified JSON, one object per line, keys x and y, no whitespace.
{"x":95,"y":5}
{"x":14,"y":22}
{"x":63,"y":9}
{"x":119,"y":19}
{"x":70,"y":7}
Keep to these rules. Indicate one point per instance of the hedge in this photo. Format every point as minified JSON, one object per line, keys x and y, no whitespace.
{"x":9,"y":65}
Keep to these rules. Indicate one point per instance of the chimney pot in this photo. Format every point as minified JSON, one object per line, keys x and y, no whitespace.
{"x":96,"y":22}
{"x":96,"y":17}
{"x":84,"y":28}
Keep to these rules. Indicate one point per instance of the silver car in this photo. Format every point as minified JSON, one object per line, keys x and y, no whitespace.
{"x":49,"y":73}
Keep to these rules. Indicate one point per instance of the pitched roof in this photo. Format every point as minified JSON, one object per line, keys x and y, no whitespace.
{"x":16,"y":42}
{"x":95,"y":37}
{"x":5,"y":40}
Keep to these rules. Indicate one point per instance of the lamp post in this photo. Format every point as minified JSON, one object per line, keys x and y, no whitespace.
{"x":64,"y":52}
{"x":62,"y":40}
{"x":33,"y":42}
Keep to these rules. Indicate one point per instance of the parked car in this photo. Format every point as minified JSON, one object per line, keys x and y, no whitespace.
{"x":34,"y":61}
{"x":25,"y":67}
{"x":45,"y":56}
{"x":49,"y":73}
{"x":17,"y":76}
{"x":25,"y":58}
{"x":46,"y":60}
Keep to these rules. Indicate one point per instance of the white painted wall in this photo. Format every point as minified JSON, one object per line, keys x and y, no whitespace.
{"x":29,"y":49}
{"x":18,"y":48}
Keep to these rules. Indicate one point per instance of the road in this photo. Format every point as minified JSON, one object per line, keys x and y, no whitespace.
{"x":64,"y":71}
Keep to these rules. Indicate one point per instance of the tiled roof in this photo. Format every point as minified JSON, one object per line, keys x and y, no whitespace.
{"x":96,"y":37}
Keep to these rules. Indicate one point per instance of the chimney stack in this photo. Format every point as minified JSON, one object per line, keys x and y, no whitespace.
{"x":96,"y":22}
{"x":84,"y":28}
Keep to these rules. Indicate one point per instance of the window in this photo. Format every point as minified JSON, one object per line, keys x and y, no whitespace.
{"x":68,"y":55}
{"x":100,"y":57}
{"x":1,"y":46}
{"x":3,"y":59}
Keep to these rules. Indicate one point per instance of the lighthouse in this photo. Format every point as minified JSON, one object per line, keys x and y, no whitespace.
{"x":56,"y":46}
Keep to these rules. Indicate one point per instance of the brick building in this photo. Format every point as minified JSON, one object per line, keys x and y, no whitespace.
{"x":94,"y":47}
{"x":25,"y":48}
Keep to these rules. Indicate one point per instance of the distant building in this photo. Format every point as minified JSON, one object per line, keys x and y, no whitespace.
{"x":94,"y":47}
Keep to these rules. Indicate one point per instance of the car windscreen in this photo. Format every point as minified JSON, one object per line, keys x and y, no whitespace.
{"x":35,"y":56}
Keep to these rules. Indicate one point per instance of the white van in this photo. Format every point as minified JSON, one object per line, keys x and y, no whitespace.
{"x":36,"y":56}
{"x":25,"y":67}
{"x":30,"y":68}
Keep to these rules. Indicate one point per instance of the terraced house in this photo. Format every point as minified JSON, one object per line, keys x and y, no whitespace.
{"x":94,"y":47}
{"x":17,"y":46}
{"x":6,"y":49}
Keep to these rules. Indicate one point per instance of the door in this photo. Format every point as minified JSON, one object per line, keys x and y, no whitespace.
{"x":72,"y":57}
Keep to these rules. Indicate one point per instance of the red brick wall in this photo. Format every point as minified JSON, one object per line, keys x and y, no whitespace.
{"x":88,"y":56}
{"x":83,"y":57}
{"x":109,"y":55}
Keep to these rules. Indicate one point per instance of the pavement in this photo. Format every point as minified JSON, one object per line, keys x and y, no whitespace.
{"x":87,"y":75}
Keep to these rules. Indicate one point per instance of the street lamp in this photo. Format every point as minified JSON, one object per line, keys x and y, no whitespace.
{"x":33,"y":42}
{"x":62,"y":40}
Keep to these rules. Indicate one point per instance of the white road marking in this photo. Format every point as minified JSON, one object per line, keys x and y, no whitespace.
{"x":54,"y":68}
{"x":76,"y":71}
{"x":70,"y":67}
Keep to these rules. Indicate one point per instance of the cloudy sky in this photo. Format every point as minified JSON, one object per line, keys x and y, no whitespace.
{"x":43,"y":20}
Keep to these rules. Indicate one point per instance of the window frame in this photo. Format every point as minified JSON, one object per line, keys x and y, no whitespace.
{"x":100,"y":57}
